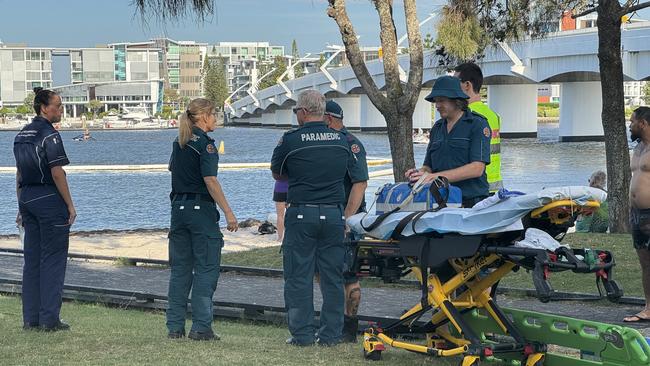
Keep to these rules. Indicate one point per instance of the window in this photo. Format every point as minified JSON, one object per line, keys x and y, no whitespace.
{"x":18,"y":55}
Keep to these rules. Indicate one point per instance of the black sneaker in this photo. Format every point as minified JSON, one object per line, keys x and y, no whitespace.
{"x":56,"y":327}
{"x":31,"y":326}
{"x":208,"y":335}
{"x":294,"y":342}
{"x":350,"y":329}
{"x":176,"y":334}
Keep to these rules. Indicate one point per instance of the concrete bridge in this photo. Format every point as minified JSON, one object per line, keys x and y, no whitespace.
{"x":512,"y":74}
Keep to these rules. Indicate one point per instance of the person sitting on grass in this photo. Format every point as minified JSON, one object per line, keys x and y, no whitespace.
{"x":598,"y":221}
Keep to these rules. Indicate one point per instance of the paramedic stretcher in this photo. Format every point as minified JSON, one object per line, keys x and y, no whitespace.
{"x":459,"y":254}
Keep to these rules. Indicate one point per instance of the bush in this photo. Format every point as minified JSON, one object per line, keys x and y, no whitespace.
{"x":548,"y":105}
{"x":23,"y":109}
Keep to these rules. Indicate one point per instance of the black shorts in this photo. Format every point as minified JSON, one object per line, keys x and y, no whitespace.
{"x":640,"y":225}
{"x":279,"y":196}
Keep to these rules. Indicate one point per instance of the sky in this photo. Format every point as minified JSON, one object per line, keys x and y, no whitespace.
{"x":86,"y":23}
{"x":79,"y":23}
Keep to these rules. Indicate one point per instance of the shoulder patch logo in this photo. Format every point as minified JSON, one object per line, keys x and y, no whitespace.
{"x":355,"y":148}
{"x":210,"y":149}
{"x":486,"y":132}
{"x":280,"y":141}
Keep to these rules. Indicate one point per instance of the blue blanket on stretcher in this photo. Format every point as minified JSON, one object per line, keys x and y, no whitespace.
{"x":492,"y":215}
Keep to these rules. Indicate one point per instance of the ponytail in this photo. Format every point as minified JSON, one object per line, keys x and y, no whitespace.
{"x":184,"y":129}
{"x":188,"y":119}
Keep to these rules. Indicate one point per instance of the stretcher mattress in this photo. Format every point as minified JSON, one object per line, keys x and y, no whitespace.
{"x":492,"y":215}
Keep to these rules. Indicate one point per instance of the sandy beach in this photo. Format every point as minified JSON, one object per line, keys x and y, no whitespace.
{"x":151,"y":244}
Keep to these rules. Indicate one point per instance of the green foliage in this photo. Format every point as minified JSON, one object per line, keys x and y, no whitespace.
{"x":548,"y":110}
{"x":459,"y":34}
{"x":215,"y":85}
{"x":23,"y":109}
{"x":94,"y":106}
{"x":321,"y":60}
{"x":29,"y":100}
{"x":299,"y":70}
{"x":5,"y":111}
{"x":548,"y":105}
{"x":167,"y":112}
{"x":428,"y":42}
{"x":280,"y":67}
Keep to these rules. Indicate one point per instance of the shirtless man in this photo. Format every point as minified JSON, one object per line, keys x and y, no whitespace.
{"x":640,"y":203}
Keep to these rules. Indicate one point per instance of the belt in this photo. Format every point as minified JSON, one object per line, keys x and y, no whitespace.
{"x":325,"y":205}
{"x":192,"y":196}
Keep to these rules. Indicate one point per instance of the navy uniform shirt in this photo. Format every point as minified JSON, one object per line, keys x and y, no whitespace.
{"x":316,"y":159}
{"x":189,"y":165}
{"x":468,"y":141}
{"x":37,"y":149}
{"x":361,"y":167}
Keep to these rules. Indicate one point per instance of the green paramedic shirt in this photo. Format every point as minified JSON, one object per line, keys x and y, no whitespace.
{"x":189,"y":165}
{"x":316,"y":160}
{"x":361,"y":170}
{"x":468,"y":141}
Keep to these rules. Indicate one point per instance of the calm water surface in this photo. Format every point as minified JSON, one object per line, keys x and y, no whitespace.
{"x":129,"y":200}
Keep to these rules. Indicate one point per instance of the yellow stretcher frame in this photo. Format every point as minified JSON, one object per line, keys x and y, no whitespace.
{"x":447,"y":304}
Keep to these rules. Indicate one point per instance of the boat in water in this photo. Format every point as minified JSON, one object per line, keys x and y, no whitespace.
{"x":420,"y":137}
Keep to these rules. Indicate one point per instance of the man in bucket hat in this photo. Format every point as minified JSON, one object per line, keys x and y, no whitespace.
{"x":459,"y":143}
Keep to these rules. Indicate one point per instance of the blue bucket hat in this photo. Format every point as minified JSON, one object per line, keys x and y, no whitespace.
{"x":334,"y":109}
{"x":446,"y":86}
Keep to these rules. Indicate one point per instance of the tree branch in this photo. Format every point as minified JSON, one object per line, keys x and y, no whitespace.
{"x":415,"y":54}
{"x":336,"y":11}
{"x":634,"y":8}
{"x":388,"y":36}
{"x":588,"y":11}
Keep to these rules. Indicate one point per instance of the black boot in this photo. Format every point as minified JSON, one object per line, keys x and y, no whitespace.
{"x":350,"y":328}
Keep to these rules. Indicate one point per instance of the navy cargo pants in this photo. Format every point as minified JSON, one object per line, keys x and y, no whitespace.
{"x":45,"y":218}
{"x":314,"y":236}
{"x":195,"y":243}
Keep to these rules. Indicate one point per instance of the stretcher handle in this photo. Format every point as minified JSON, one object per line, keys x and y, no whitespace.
{"x":570,"y":203}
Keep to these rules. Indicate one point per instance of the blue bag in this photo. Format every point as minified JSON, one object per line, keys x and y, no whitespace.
{"x":419,"y":196}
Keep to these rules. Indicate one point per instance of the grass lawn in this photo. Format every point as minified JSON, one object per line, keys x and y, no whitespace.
{"x":108,"y":336}
{"x":627,"y":270}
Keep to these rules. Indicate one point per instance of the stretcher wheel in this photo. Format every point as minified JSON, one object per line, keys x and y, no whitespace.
{"x":372,"y":355}
{"x":614,"y":292}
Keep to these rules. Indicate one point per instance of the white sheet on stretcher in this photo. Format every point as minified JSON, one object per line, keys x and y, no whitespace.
{"x":488,"y":216}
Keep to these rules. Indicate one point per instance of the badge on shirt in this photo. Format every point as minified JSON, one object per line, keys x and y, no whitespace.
{"x":210,"y":148}
{"x":355,"y":148}
{"x":194,"y":138}
{"x":486,"y":132}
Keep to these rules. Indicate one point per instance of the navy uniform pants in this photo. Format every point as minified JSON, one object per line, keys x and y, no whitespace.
{"x":45,"y":218}
{"x":195,"y":243}
{"x":314,"y":236}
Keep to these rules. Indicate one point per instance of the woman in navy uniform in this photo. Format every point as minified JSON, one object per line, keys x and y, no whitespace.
{"x":45,"y":210}
{"x":459,"y":143}
{"x":195,"y":240}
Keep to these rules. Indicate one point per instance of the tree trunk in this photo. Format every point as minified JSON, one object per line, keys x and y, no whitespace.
{"x":398,"y":104}
{"x":400,"y":137}
{"x":613,"y":114}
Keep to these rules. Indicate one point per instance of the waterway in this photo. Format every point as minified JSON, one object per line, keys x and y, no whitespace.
{"x":131,"y":200}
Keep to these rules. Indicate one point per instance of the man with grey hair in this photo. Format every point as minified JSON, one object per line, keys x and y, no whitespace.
{"x":315,"y":160}
{"x":597,"y":222}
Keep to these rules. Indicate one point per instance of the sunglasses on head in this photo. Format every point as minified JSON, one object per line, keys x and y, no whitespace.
{"x":296,"y":109}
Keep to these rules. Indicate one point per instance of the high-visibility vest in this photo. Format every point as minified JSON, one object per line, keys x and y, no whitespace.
{"x":493,"y":170}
